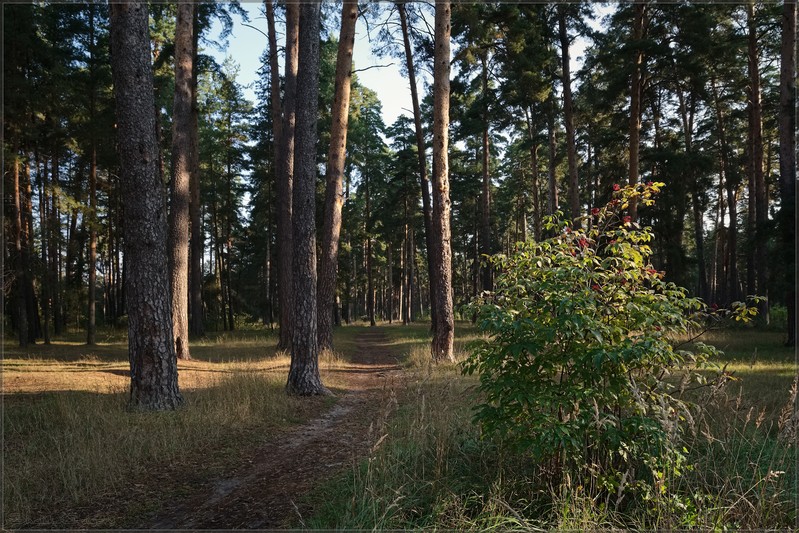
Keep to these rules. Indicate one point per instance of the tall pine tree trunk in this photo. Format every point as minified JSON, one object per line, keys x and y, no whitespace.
{"x":760,"y":233}
{"x":92,"y":311}
{"x":54,"y":251}
{"x":370,"y":290}
{"x":181,"y":178}
{"x":31,"y":305}
{"x":636,"y":83}
{"x":277,"y":139}
{"x":334,"y":191}
{"x":44,"y":203}
{"x":553,"y":183}
{"x":731,"y":183}
{"x":444,"y":332}
{"x":304,"y":376}
{"x":534,"y":178}
{"x":19,"y":265}
{"x":485,"y":220}
{"x":687,"y":116}
{"x":430,"y":235}
{"x":568,"y":113}
{"x":285,"y":173}
{"x":153,"y":365}
{"x":197,"y":243}
{"x":787,"y":128}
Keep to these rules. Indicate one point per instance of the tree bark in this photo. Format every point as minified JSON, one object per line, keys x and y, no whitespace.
{"x":334,"y":190}
{"x":444,"y":333}
{"x":756,"y":152}
{"x":390,"y":286}
{"x":54,"y":251}
{"x":31,"y":305}
{"x":181,"y":178}
{"x":303,"y":378}
{"x":19,"y":265}
{"x":635,"y":103}
{"x":732,"y":291}
{"x":197,"y":243}
{"x":687,"y":115}
{"x":568,"y":113}
{"x":553,"y":182}
{"x":534,"y":183}
{"x":151,"y":348}
{"x":370,"y":291}
{"x":787,"y":129}
{"x":485,"y":229}
{"x":429,"y":234}
{"x":285,"y":172}
{"x":44,"y":203}
{"x":91,"y":325}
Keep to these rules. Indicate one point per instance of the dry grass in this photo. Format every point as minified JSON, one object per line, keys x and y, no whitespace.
{"x":76,"y":458}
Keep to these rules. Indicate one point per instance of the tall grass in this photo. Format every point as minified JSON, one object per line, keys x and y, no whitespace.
{"x":430,"y":468}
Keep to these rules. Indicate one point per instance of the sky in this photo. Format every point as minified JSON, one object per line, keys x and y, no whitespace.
{"x":246,"y":45}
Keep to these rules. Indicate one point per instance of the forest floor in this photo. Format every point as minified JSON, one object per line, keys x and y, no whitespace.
{"x":268,"y":490}
{"x":395,"y":448}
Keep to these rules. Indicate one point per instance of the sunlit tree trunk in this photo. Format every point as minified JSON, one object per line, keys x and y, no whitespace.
{"x":19,"y":266}
{"x":444,"y":332}
{"x":334,"y":191}
{"x":179,"y":221}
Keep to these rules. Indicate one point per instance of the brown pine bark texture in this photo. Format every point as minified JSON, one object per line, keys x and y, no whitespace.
{"x":181,"y":178}
{"x":304,"y":379}
{"x":285,"y":172}
{"x":334,"y":189}
{"x":197,"y":244}
{"x":444,"y":332}
{"x":635,"y":104}
{"x":153,"y":365}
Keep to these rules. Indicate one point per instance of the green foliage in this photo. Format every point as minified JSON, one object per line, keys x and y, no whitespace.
{"x":580,"y":369}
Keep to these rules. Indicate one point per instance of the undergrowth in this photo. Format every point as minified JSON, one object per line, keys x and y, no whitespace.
{"x":430,"y":468}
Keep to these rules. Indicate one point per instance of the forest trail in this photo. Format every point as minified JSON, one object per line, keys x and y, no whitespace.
{"x":268,"y":492}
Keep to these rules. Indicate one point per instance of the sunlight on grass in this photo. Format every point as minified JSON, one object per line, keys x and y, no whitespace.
{"x":76,"y":458}
{"x":431,"y":469}
{"x":70,"y":443}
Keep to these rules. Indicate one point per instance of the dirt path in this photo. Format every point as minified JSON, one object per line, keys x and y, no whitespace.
{"x":267,"y":492}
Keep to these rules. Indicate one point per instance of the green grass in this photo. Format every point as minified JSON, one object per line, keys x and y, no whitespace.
{"x":432,"y":469}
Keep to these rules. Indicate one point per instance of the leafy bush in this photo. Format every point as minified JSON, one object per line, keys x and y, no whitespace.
{"x":580,"y":369}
